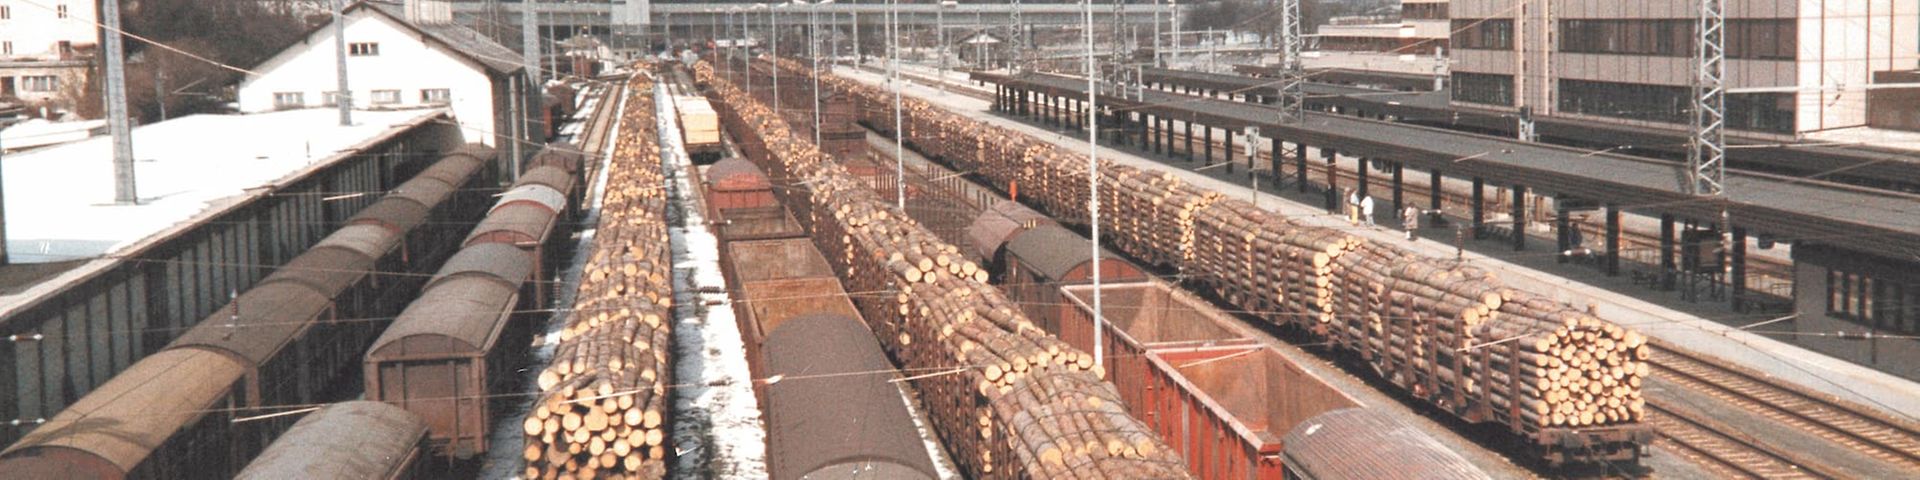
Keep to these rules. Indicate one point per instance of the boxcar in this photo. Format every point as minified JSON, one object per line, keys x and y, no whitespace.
{"x":831,"y":421}
{"x":1041,"y":259}
{"x":1362,"y":443}
{"x":167,"y":416}
{"x":454,"y":346}
{"x":989,"y":232}
{"x":356,"y":440}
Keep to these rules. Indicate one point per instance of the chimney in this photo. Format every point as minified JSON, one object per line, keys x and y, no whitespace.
{"x":429,"y":12}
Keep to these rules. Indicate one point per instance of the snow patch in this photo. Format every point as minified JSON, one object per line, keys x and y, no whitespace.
{"x":717,"y":432}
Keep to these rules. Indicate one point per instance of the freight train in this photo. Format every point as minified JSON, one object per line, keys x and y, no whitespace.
{"x":451,"y":351}
{"x":1561,"y":382}
{"x":205,"y":405}
{"x":1220,"y":398}
{"x":830,"y":413}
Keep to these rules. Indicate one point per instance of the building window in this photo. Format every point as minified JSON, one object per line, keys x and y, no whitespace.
{"x":330,"y":99}
{"x":61,"y":10}
{"x":39,"y":83}
{"x":1423,"y":11}
{"x":436,"y":96}
{"x":1483,"y":33}
{"x":386,"y":97}
{"x":1752,"y":39}
{"x":363,"y":49}
{"x":6,"y":48}
{"x":285,"y":100}
{"x":1482,"y":88}
{"x":1764,"y":112}
{"x":6,"y":12}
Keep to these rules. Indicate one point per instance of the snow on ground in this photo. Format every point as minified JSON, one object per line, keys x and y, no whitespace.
{"x":717,"y":432}
{"x":60,"y":200}
{"x":503,"y":460}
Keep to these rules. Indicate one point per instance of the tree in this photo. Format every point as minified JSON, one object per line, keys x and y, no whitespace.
{"x":237,"y":33}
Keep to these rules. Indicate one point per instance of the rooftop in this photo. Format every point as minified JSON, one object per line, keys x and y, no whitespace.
{"x":59,"y":200}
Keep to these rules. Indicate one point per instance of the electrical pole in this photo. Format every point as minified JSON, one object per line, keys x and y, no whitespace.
{"x":1156,"y":35}
{"x":1293,"y":75}
{"x":124,"y":189}
{"x":1093,"y":185}
{"x":343,"y":97}
{"x":940,"y":35}
{"x":1706,"y":160}
{"x":1019,"y":38}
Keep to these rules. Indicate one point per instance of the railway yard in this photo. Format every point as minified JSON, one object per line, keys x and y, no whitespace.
{"x":733,"y":266}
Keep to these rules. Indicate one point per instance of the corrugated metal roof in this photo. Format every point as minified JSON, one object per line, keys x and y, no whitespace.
{"x":865,"y":419}
{"x":520,"y":223}
{"x":550,"y":176}
{"x":398,"y":213}
{"x":124,"y":419}
{"x":461,"y":314}
{"x":424,"y":190}
{"x":504,"y":263}
{"x":345,"y":441}
{"x":538,"y":194}
{"x":991,"y":229}
{"x":259,"y":323}
{"x":1361,"y":443}
{"x":1052,"y":250}
{"x":476,"y":151}
{"x":453,"y":169}
{"x":373,"y":241}
{"x":327,"y":270}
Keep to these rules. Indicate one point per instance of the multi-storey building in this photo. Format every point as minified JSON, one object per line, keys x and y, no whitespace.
{"x":1420,"y":29}
{"x":44,"y":45}
{"x":1794,"y":66}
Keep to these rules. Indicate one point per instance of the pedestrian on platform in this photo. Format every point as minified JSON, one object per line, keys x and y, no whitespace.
{"x":1353,"y":206}
{"x":1410,"y":220}
{"x":1366,"y":209}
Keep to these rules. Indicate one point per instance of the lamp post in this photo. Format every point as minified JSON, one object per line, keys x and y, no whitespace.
{"x":893,"y":68}
{"x":813,"y":39}
{"x":1093,"y":185}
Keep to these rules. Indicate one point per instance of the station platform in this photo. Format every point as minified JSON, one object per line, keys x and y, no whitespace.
{"x":1704,"y":335}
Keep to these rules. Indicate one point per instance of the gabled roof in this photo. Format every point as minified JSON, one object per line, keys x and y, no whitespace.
{"x":459,"y":40}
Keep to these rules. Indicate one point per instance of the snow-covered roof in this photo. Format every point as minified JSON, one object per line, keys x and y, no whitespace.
{"x":59,"y":200}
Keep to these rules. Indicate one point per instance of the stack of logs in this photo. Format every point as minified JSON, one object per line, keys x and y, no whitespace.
{"x":1448,"y":333}
{"x":1007,"y":399}
{"x":602,"y":410}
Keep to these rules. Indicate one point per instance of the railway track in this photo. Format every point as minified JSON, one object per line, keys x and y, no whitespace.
{"x":1721,"y":450}
{"x":1853,"y":427}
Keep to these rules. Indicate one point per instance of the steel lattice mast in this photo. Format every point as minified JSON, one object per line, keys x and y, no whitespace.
{"x":1293,"y":97}
{"x":1707,"y":157}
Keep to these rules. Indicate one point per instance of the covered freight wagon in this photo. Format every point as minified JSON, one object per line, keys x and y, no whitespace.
{"x":1041,"y":259}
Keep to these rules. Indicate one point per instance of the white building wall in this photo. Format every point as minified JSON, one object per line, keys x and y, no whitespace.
{"x":405,"y":63}
{"x":35,"y":29}
{"x":1841,"y":44}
